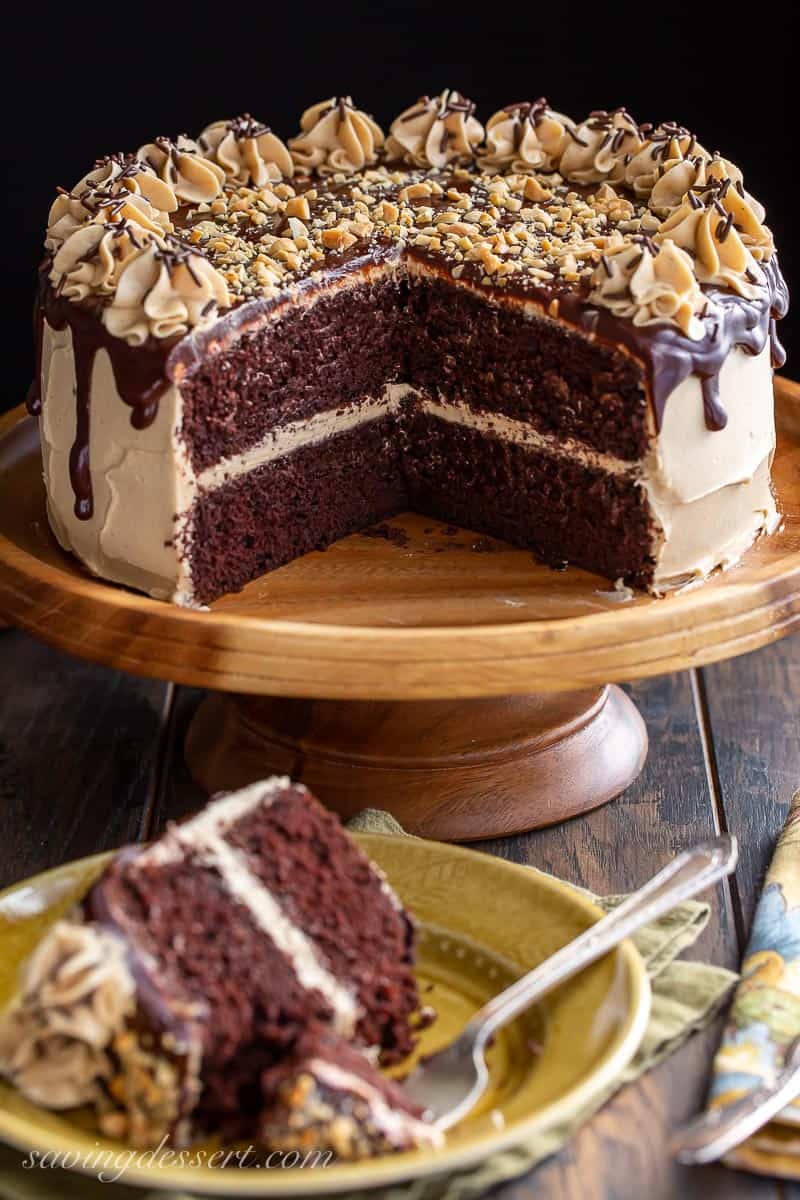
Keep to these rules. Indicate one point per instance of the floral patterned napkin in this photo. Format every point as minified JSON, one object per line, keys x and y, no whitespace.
{"x":765,"y":1015}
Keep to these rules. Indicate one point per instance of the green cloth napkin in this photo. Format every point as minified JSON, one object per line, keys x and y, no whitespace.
{"x":686,"y":997}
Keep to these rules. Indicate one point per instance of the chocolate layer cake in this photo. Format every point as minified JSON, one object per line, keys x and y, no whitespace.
{"x":558,"y":333}
{"x":327,"y":1097}
{"x":211,"y":973}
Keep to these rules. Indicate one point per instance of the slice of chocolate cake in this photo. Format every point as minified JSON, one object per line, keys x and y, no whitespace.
{"x":198,"y":965}
{"x":328,"y":1097}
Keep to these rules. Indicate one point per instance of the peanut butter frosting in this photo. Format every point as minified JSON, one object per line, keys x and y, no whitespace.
{"x":248,"y":151}
{"x":163,"y":290}
{"x":336,"y":136}
{"x":651,"y":284}
{"x":544,"y":202}
{"x":601,"y":147}
{"x":89,"y":261}
{"x":666,"y":146}
{"x":705,"y":227}
{"x":117,"y":188}
{"x":118,"y":171}
{"x":180,"y":164}
{"x":435,"y":131}
{"x":525,"y":135}
{"x":76,"y":995}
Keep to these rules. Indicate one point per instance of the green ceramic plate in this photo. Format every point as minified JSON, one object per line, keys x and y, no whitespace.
{"x":483,"y":921}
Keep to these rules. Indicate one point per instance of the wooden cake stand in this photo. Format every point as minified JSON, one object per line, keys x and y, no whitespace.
{"x":417,"y":667}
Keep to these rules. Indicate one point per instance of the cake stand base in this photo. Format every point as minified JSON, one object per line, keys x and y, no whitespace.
{"x":457,"y":770}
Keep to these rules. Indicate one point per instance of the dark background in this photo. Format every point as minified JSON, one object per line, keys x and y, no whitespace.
{"x":83,"y":82}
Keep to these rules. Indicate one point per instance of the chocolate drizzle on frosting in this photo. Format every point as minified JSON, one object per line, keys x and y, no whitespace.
{"x":734,"y":321}
{"x":140,"y":375}
{"x":236,"y":247}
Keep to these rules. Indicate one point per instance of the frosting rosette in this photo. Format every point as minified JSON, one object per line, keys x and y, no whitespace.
{"x":600,"y":148}
{"x":118,"y":172}
{"x":69,"y":211}
{"x":248,"y":151}
{"x":119,"y":187}
{"x":164,"y":290}
{"x":193,"y":178}
{"x":89,"y":261}
{"x":667,"y":145}
{"x":697,"y":174}
{"x":336,"y":136}
{"x":706,"y":227}
{"x":77,"y":993}
{"x":435,"y":131}
{"x":524,"y":136}
{"x":650,"y":284}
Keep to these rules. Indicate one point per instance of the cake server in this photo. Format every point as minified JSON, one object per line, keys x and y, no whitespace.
{"x":449,"y":1083}
{"x":711,"y":1135}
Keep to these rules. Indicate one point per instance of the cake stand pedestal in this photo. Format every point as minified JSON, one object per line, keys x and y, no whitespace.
{"x":449,"y":769}
{"x":444,"y":676}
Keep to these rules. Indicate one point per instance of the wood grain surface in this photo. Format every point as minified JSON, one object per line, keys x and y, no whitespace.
{"x":724,"y":753}
{"x":456,"y":770}
{"x":431,"y":614}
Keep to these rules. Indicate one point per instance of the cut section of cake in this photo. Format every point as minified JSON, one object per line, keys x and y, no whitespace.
{"x":563,"y":337}
{"x":199,"y":967}
{"x":327,"y":1097}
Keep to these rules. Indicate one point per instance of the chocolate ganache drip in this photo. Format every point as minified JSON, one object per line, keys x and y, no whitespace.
{"x":140,"y":374}
{"x":733,"y":322}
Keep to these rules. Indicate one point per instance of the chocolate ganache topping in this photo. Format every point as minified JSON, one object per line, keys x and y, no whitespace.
{"x":635,"y":234}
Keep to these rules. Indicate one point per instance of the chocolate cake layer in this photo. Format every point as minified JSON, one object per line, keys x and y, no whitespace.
{"x":552,"y":504}
{"x":203,"y":948}
{"x":498,"y":358}
{"x":201,"y":969}
{"x":334,"y":351}
{"x":347,"y":344}
{"x":328,"y":888}
{"x":302,"y":502}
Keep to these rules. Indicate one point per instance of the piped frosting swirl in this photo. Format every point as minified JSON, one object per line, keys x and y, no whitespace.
{"x":706,"y":226}
{"x":600,"y":148}
{"x":248,"y":151}
{"x":89,"y":261}
{"x":162,"y":291}
{"x":336,"y":136}
{"x":180,"y":164}
{"x":666,"y":146}
{"x":525,"y":135}
{"x":118,"y":188}
{"x":77,"y":992}
{"x":650,"y":284}
{"x":435,"y":131}
{"x":116,"y":172}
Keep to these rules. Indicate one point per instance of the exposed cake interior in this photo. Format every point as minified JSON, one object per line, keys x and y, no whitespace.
{"x":241,"y":931}
{"x":249,"y":350}
{"x":328,"y":1096}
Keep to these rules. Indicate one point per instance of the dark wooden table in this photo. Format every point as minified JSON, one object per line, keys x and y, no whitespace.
{"x":91,"y":758}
